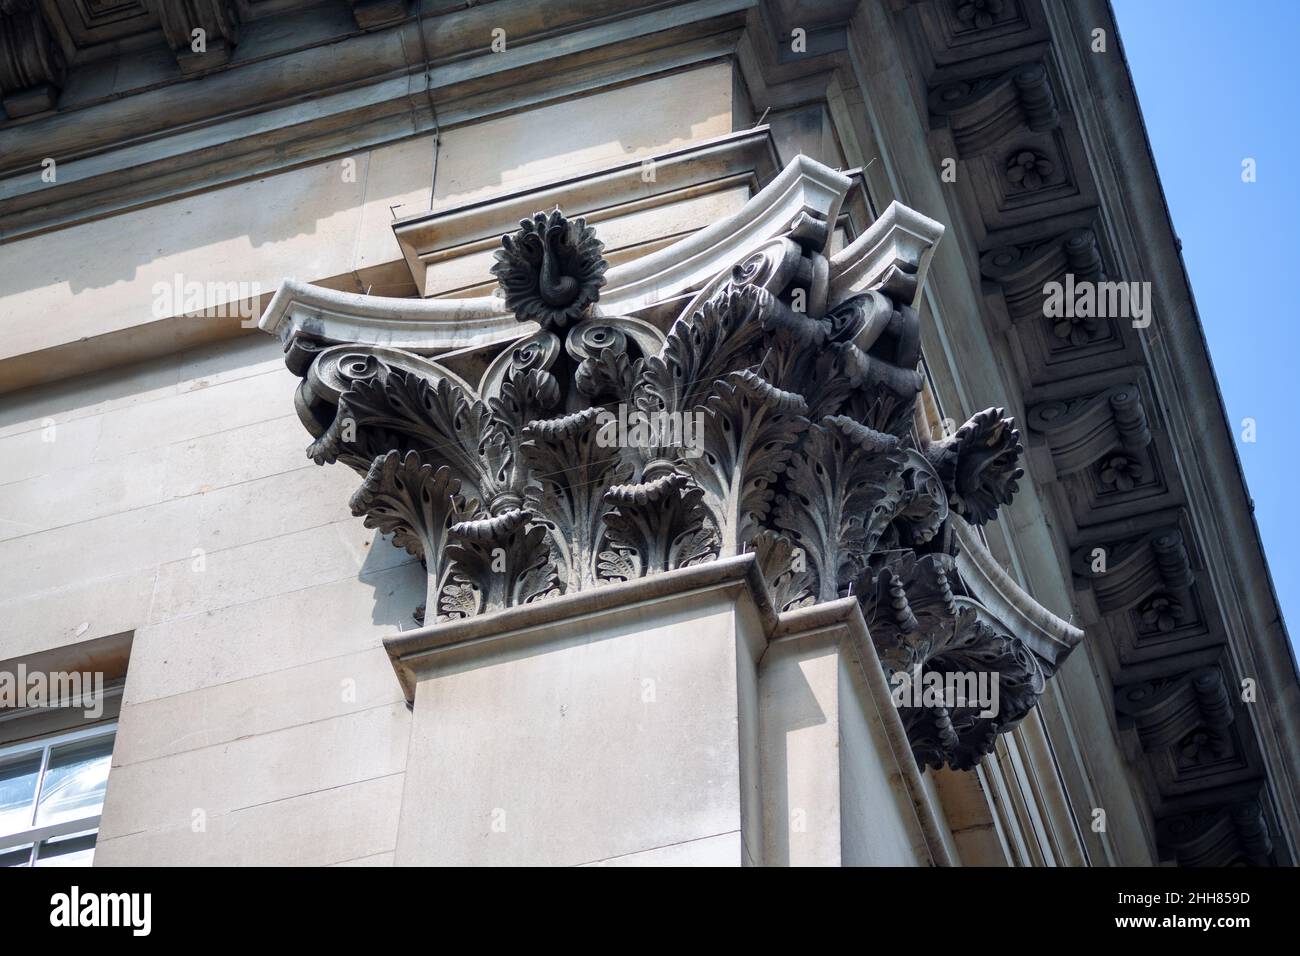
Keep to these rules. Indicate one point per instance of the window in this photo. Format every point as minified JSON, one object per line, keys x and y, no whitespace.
{"x":51,"y":796}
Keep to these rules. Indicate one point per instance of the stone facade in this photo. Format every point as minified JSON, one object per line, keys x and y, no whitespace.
{"x":825,"y":229}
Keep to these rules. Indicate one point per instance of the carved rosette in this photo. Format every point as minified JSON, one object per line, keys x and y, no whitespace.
{"x":551,"y":270}
{"x":780,"y":423}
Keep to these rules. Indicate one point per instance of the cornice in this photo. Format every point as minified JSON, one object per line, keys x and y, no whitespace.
{"x":1220,"y":513}
{"x":1131,"y":445}
{"x":342,"y":94}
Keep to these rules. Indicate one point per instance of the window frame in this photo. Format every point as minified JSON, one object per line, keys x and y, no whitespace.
{"x":37,"y":835}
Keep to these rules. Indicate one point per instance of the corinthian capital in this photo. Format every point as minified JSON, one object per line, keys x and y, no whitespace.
{"x":774,"y":415}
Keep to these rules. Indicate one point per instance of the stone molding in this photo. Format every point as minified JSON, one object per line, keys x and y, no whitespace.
{"x":430,"y":326}
{"x":361,"y":77}
{"x":979,"y":112}
{"x":748,"y":156}
{"x":1079,"y":431}
{"x":414,"y":651}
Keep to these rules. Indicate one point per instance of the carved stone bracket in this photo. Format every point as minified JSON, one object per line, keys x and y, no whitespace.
{"x":202,"y":33}
{"x":1080,"y":431}
{"x":1123,"y":572}
{"x":981,"y":111}
{"x":775,"y":415}
{"x":1228,"y":834}
{"x":1023,"y":269}
{"x":31,"y":64}
{"x":1163,"y":712}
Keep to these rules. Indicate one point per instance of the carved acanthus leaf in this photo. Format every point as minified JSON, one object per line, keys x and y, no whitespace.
{"x":750,"y":430}
{"x":662,"y":523}
{"x":497,"y":563}
{"x":570,"y":471}
{"x":435,"y":420}
{"x":909,"y":605}
{"x":720,"y":338}
{"x":978,"y":465}
{"x":925,"y":633}
{"x":417,"y":505}
{"x":843,"y":487}
{"x":785,"y":570}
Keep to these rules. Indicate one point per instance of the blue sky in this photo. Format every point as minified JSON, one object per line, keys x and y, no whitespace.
{"x":1217,"y":84}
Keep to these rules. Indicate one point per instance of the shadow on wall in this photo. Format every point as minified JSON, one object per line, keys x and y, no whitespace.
{"x":591,"y":131}
{"x":399,"y":590}
{"x":266,"y":210}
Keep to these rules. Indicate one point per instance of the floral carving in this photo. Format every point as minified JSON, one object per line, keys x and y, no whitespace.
{"x":1121,"y":472}
{"x":1078,"y":329}
{"x":1161,"y":613}
{"x":551,"y":269}
{"x":980,"y":14}
{"x":978,"y":465}
{"x":1029,"y":169}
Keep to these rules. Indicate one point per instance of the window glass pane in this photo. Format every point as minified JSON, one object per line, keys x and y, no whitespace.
{"x":16,"y":856}
{"x":17,"y":791}
{"x":74,"y":781}
{"x":75,"y":849}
